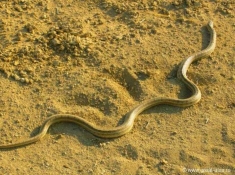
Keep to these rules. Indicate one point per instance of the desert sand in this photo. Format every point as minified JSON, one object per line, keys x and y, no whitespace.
{"x":98,"y":59}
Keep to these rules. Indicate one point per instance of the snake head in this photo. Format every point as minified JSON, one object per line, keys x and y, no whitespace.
{"x":210,"y":24}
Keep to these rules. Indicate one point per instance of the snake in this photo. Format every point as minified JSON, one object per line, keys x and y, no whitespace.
{"x":128,"y":121}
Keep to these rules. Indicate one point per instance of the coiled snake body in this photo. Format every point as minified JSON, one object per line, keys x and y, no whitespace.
{"x":129,"y":119}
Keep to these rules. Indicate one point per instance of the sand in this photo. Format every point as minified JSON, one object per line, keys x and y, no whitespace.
{"x":100,"y":58}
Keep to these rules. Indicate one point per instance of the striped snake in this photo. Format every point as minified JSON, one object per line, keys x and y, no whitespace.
{"x":127,"y":125}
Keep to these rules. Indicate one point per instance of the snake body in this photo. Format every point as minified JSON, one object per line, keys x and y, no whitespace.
{"x":127,"y":125}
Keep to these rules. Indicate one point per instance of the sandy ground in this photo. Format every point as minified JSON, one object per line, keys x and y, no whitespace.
{"x":100,"y":58}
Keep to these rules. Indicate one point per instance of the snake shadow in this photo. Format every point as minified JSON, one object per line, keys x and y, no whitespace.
{"x":205,"y":37}
{"x":58,"y":130}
